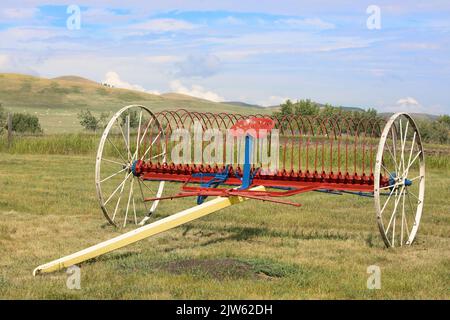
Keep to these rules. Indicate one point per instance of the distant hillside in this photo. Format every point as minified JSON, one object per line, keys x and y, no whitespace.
{"x":74,"y":79}
{"x":243,"y":104}
{"x":57,"y":101}
{"x":419,"y":116}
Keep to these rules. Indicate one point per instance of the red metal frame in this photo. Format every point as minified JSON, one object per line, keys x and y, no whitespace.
{"x":316,"y":153}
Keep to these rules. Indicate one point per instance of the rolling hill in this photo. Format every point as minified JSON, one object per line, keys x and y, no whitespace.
{"x":57,"y":101}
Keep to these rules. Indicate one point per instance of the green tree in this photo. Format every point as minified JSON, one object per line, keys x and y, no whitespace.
{"x":330,"y":111}
{"x":434,"y":131}
{"x":306,"y":108}
{"x":287,"y":108}
{"x":445,"y":120}
{"x":88,"y":121}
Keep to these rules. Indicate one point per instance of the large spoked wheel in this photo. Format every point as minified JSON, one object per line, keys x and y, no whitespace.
{"x":133,"y":134}
{"x":399,"y":184}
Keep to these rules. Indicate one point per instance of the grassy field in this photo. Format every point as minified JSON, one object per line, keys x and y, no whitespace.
{"x":255,"y":250}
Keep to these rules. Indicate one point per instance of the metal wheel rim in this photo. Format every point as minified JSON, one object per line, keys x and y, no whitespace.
{"x":98,"y":167}
{"x":398,"y":190}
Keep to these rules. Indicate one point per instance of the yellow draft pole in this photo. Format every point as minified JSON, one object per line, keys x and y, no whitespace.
{"x":140,"y":233}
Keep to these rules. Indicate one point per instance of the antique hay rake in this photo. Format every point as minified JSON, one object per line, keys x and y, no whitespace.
{"x":237,"y":157}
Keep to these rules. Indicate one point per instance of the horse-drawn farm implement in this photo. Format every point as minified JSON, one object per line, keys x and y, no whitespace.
{"x":265,"y":158}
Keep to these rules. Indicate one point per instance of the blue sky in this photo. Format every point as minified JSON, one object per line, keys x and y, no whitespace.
{"x":254,"y":51}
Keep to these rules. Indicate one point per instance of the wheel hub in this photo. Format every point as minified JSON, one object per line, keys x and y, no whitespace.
{"x":396,"y":182}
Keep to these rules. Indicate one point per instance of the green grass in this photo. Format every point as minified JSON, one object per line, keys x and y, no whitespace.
{"x":48,"y":209}
{"x":87,"y":144}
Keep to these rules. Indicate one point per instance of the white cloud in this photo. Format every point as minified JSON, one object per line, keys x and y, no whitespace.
{"x":113,"y":79}
{"x":407,"y":102}
{"x":195,"y":91}
{"x":163,"y":25}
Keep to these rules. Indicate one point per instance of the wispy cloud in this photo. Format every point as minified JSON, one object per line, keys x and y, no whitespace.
{"x":17,"y":13}
{"x":162,"y":25}
{"x":198,"y":65}
{"x":10,"y":64}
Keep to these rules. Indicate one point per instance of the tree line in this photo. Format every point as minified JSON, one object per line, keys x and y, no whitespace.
{"x":432,"y":131}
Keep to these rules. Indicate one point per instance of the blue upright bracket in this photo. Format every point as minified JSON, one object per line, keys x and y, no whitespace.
{"x":247,"y":178}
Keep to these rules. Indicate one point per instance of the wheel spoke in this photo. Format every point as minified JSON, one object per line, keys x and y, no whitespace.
{"x":128,"y":134}
{"x":412,"y":149}
{"x":403,"y":145}
{"x":388,"y":187}
{"x":118,"y":187}
{"x":118,"y":202}
{"x":145,"y":131}
{"x":124,"y":139}
{"x":158,"y":155}
{"x":415,"y":178}
{"x":386,"y":169}
{"x":148,"y":149}
{"x":147,"y":186}
{"x":138,"y":135}
{"x":418,"y":200}
{"x":112,"y":161}
{"x":142,"y":194}
{"x":394,"y":213}
{"x":412,"y":162}
{"x":392,"y":156}
{"x":113,"y":175}
{"x":387,"y":200}
{"x":406,"y":219}
{"x":394,"y":146}
{"x":120,"y":154}
{"x":403,"y":218}
{"x":134,"y":210}
{"x":128,"y":204}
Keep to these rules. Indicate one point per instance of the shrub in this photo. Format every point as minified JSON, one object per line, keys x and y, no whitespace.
{"x":26,"y":123}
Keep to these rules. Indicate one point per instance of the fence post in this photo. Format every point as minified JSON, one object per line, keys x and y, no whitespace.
{"x":9,"y":130}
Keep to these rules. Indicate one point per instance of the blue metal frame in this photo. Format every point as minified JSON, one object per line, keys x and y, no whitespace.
{"x":247,"y":178}
{"x":221,"y":177}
